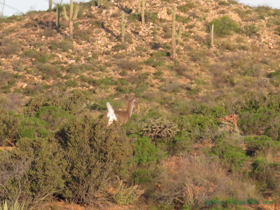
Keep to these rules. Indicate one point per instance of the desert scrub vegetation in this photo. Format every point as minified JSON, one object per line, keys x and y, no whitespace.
{"x":224,"y":26}
{"x":58,"y":141}
{"x":177,"y":139}
{"x":179,"y":189}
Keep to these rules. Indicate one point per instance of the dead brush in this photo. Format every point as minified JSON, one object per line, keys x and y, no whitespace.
{"x":160,"y":128}
{"x":189,"y":180}
{"x":124,"y":195}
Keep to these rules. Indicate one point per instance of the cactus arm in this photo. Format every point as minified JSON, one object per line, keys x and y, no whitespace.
{"x":65,"y":14}
{"x":76,"y":12}
{"x":179,"y":34}
{"x":50,"y":5}
{"x":71,"y":10}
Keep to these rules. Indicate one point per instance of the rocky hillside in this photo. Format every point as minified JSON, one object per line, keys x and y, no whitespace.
{"x":36,"y":57}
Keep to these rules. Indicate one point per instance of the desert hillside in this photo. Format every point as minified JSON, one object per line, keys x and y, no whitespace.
{"x":205,"y":129}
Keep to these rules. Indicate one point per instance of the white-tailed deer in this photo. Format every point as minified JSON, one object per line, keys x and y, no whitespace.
{"x":120,"y":116}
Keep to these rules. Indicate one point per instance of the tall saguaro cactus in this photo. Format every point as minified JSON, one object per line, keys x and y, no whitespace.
{"x":143,"y":12}
{"x":173,"y":41}
{"x":72,"y":17}
{"x":212,"y":36}
{"x":123,"y":27}
{"x":50,"y":5}
{"x":99,"y":2}
{"x":57,"y":16}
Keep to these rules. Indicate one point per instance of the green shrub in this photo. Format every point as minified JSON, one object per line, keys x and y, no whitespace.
{"x":72,"y":83}
{"x":251,"y":30}
{"x":264,"y":10}
{"x":35,"y":169}
{"x":182,"y":19}
{"x":265,"y":173}
{"x":94,"y":154}
{"x":186,"y":7}
{"x":277,"y":31}
{"x":134,"y":17}
{"x":145,"y":152}
{"x":150,"y":17}
{"x":224,"y":26}
{"x":8,"y":127}
{"x":33,"y":127}
{"x":154,"y":62}
{"x":55,"y":117}
{"x":276,"y":77}
{"x":200,"y":127}
{"x":48,"y":70}
{"x":73,"y":101}
{"x":145,"y":159}
{"x":64,"y":45}
{"x":264,"y":122}
{"x":230,"y":153}
{"x":223,"y":3}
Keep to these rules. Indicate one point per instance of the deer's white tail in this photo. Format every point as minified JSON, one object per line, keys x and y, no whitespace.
{"x":111,"y":114}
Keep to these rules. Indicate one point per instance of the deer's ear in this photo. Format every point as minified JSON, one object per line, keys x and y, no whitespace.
{"x":126,"y":97}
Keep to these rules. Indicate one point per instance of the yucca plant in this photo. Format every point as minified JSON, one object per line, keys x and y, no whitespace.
{"x":16,"y":206}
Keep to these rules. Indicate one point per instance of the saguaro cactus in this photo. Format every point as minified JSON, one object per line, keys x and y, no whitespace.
{"x":50,"y":5}
{"x":123,"y":27}
{"x":99,"y":2}
{"x":173,"y":41}
{"x":57,"y":16}
{"x":143,"y":12}
{"x":72,"y":17}
{"x":212,"y":36}
{"x":179,"y":34}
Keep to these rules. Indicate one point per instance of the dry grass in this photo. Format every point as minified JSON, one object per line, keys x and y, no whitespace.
{"x":191,"y":180}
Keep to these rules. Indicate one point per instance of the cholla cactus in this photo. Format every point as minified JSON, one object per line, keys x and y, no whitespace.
{"x":72,"y":17}
{"x":160,"y":128}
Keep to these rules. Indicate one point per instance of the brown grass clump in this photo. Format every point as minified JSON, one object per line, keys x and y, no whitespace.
{"x":191,"y":180}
